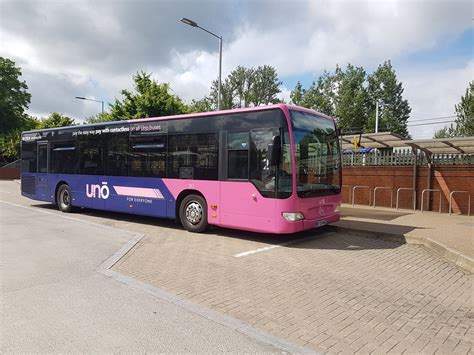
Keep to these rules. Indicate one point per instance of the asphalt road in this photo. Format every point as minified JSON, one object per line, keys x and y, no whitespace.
{"x":53,"y":299}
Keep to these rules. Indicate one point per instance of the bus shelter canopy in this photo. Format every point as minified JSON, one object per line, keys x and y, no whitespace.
{"x":373,"y":140}
{"x":460,"y":145}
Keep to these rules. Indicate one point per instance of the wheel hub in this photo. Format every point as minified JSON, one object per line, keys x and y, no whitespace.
{"x":64,"y":199}
{"x":194,"y":212}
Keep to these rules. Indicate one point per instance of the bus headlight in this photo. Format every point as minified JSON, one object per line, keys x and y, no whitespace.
{"x":293,"y":216}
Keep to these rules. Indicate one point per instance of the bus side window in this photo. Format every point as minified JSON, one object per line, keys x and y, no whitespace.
{"x":148,"y":156}
{"x":63,"y":158}
{"x":117,"y":154}
{"x":238,"y":155}
{"x":90,"y":156}
{"x":193,"y":156}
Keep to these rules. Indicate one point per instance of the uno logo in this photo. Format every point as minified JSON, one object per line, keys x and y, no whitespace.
{"x":98,"y":191}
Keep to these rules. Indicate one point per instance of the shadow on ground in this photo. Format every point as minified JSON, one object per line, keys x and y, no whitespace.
{"x":327,"y":237}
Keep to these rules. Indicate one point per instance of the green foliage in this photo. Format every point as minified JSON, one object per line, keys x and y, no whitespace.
{"x":243,"y":87}
{"x":351,"y":109}
{"x":394,"y":111}
{"x":10,"y":145}
{"x":464,"y":122}
{"x":203,"y":105}
{"x":444,"y":132}
{"x":297,"y":95}
{"x":55,"y":119}
{"x":321,"y":95}
{"x":350,"y":95}
{"x":100,"y":117}
{"x":264,"y":86}
{"x":150,"y":99}
{"x":14,"y":98}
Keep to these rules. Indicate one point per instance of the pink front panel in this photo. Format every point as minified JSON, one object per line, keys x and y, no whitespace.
{"x":243,"y":207}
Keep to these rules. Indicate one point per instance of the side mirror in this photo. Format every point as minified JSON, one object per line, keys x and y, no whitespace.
{"x":274,"y":151}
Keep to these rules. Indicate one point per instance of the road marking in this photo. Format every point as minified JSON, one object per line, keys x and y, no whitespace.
{"x":259,"y":250}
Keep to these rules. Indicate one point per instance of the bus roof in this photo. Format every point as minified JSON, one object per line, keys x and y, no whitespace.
{"x":284,"y":107}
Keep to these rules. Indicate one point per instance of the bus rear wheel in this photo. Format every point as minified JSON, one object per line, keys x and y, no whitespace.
{"x":193,"y":213}
{"x":64,"y":198}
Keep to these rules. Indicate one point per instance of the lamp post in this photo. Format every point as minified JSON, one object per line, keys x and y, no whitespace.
{"x":84,"y":98}
{"x":194,"y":24}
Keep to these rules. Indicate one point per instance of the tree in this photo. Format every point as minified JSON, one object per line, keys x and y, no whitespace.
{"x":264,"y":86}
{"x":245,"y":87}
{"x":297,"y":94}
{"x":14,"y":98}
{"x":150,"y":99}
{"x":100,"y":117}
{"x":464,"y":122}
{"x":321,"y":95}
{"x":202,"y":105}
{"x":55,"y":119}
{"x":14,"y":101}
{"x":341,"y":94}
{"x":394,"y":111}
{"x":351,"y":100}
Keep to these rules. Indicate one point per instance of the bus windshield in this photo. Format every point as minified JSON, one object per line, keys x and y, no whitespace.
{"x":317,"y":155}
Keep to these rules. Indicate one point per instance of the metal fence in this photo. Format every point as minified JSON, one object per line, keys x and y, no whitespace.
{"x":404,"y":158}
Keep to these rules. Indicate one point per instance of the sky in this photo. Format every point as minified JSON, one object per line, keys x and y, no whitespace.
{"x":93,"y":48}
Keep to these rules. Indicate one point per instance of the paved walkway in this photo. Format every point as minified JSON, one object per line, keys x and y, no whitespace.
{"x":451,"y":236}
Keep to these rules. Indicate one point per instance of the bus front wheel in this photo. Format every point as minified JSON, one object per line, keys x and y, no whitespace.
{"x":193,"y":213}
{"x":64,"y":198}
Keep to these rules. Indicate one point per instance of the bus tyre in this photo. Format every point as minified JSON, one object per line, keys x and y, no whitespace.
{"x":64,"y":198}
{"x":193,"y":213}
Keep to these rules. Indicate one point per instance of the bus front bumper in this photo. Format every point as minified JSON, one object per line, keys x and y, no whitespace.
{"x":297,"y":226}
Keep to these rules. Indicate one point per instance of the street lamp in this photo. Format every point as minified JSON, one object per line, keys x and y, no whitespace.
{"x":194,"y":24}
{"x":84,"y":98}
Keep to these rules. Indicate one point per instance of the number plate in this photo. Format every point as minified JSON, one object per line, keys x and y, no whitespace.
{"x":320,"y":223}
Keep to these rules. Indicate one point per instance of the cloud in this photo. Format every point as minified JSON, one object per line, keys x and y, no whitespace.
{"x":90,"y":48}
{"x":433,"y":93}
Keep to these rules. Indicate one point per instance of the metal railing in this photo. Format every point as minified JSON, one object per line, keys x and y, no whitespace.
{"x":406,"y":188}
{"x":13,"y":164}
{"x":385,"y":188}
{"x":468,"y":201}
{"x":423,"y":200}
{"x":377,"y":158}
{"x":360,"y":187}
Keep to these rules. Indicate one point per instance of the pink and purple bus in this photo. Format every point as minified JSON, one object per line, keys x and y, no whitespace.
{"x":270,"y":169}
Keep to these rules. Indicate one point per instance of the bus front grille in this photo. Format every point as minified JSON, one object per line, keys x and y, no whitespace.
{"x":28,"y":184}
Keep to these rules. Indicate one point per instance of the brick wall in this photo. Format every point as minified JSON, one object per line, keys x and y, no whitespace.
{"x":9,"y":173}
{"x":444,"y":178}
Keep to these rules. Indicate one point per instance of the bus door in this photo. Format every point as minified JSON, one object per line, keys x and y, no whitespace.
{"x":42,"y":183}
{"x":249,"y":181}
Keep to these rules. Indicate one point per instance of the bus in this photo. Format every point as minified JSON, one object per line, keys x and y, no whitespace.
{"x":269,"y":169}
